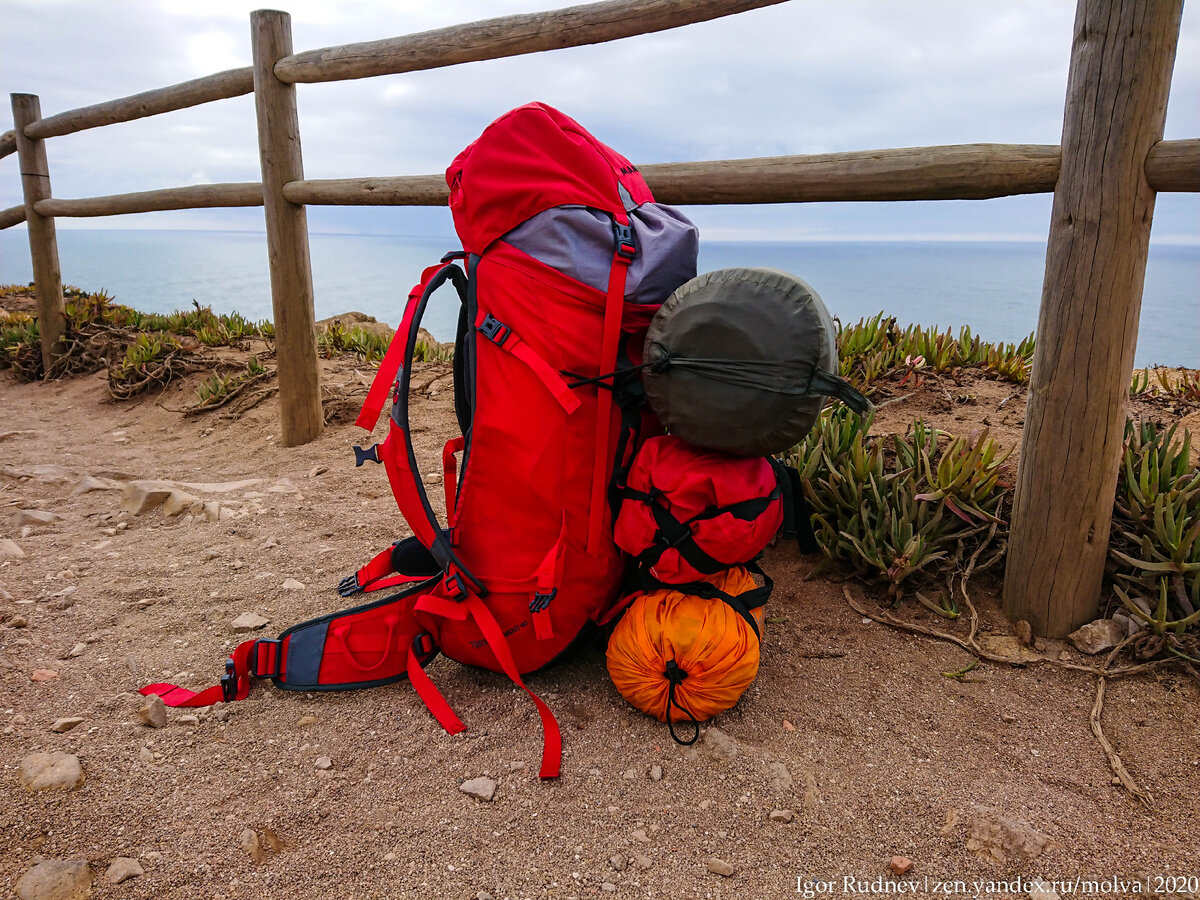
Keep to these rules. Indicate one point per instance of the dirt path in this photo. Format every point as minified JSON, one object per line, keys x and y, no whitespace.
{"x":851,"y":726}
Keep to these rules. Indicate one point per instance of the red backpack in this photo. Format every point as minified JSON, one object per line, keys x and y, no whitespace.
{"x":565,"y":260}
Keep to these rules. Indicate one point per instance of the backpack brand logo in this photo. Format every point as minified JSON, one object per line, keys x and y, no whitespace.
{"x":628,"y":170}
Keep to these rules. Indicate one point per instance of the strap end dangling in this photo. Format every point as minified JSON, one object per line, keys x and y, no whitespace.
{"x":675,"y":676}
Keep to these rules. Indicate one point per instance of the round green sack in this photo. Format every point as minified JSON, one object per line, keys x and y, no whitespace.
{"x":741,"y":361}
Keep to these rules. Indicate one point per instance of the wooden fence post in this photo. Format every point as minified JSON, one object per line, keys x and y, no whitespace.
{"x":43,"y":240}
{"x":1120,"y":75}
{"x":287,"y":232}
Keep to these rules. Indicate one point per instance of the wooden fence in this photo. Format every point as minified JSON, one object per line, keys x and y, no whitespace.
{"x":1104,"y":176}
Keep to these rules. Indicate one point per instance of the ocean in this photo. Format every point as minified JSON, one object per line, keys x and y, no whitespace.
{"x":994,"y":287}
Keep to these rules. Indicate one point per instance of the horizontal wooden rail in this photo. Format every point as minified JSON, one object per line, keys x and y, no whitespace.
{"x":956,"y":172}
{"x":222,"y":85}
{"x":199,"y":196}
{"x":8,"y":143}
{"x":593,"y":23}
{"x":1174,"y":166}
{"x":14,"y":215}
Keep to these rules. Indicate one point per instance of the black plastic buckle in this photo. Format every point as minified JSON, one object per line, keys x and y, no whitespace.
{"x":229,"y":681}
{"x":541,"y":601}
{"x":371,"y":454}
{"x":456,"y":588}
{"x":494,"y":330}
{"x":349,"y":586}
{"x":423,"y":645}
{"x":626,"y":248}
{"x":277,"y":669}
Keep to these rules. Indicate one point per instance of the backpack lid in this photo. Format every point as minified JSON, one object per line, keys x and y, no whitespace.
{"x":531,"y":159}
{"x":741,"y":360}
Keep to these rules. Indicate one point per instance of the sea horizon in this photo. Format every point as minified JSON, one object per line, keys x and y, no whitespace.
{"x":993,"y":284}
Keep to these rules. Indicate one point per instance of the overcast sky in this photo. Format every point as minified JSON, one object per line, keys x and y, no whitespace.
{"x":807,"y":76}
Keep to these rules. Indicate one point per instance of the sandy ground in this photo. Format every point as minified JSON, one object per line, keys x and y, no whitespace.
{"x":851,"y":725}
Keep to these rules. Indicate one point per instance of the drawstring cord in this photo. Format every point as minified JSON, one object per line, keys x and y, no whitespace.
{"x":675,"y":676}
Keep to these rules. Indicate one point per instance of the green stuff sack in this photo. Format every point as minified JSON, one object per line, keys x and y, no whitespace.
{"x":741,"y":361}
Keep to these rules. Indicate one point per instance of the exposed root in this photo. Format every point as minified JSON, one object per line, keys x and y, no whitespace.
{"x":1114,"y":759}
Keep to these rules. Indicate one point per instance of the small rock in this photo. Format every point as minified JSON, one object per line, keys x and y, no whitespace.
{"x":788,"y":726}
{"x":53,"y":771}
{"x":43,"y":675}
{"x":180,"y":502}
{"x":250,"y":843}
{"x":10,"y":550}
{"x":812,"y":799}
{"x":780,"y":778}
{"x":1130,"y":624}
{"x":146,"y":755}
{"x":484,"y":895}
{"x":154,"y":713}
{"x":706,"y":804}
{"x":482,"y":788}
{"x":19,"y":719}
{"x":18,"y":622}
{"x":36,"y":517}
{"x":61,"y":726}
{"x":608,"y":887}
{"x":998,"y":836}
{"x":323,"y":763}
{"x":782,"y":816}
{"x":1008,"y":717}
{"x":188,"y":720}
{"x":433,"y":478}
{"x":248,"y":621}
{"x":618,"y":862}
{"x":317,"y":470}
{"x":720,"y":867}
{"x":138,"y":497}
{"x":291,"y":584}
{"x":1043,"y":891}
{"x":76,"y":651}
{"x":56,"y":879}
{"x":305,"y":721}
{"x":1098,"y":636}
{"x":91,"y":483}
{"x":900,"y":865}
{"x":656,"y":773}
{"x":719,"y":744}
{"x":122,"y":869}
{"x":629,"y":775}
{"x":642,"y":861}
{"x":640,"y":836}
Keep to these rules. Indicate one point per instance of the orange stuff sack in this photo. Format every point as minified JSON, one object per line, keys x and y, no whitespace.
{"x":679,"y":657}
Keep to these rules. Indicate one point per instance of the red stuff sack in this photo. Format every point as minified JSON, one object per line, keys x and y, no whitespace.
{"x":687,"y":513}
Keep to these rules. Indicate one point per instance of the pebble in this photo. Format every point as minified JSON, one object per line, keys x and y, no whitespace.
{"x":51,"y":771}
{"x":43,"y":675}
{"x":291,"y":584}
{"x":608,"y":887}
{"x":122,"y":869}
{"x":91,"y":483}
{"x":642,"y":861}
{"x":484,"y":895}
{"x":900,"y":865}
{"x":788,"y":726}
{"x":250,"y":843}
{"x":248,"y":621}
{"x":317,"y":470}
{"x":705,"y":804}
{"x":146,"y":755}
{"x":720,"y":867}
{"x":1008,"y":717}
{"x":780,"y":778}
{"x":719,"y":744}
{"x":77,"y":650}
{"x":640,"y":836}
{"x":629,"y":775}
{"x":56,"y":879}
{"x":1098,"y":636}
{"x":782,"y":815}
{"x":482,"y":788}
{"x":618,"y":862}
{"x":18,"y":622}
{"x":305,"y":721}
{"x":188,"y":720}
{"x":1043,"y":891}
{"x":62,"y":726}
{"x":36,"y":517}
{"x":10,"y":550}
{"x":323,"y":763}
{"x":656,"y":773}
{"x":153,"y":713}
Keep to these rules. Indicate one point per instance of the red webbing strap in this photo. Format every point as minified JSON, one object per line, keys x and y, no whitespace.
{"x":432,"y":697}
{"x":384,"y":583}
{"x":381,"y":387}
{"x":551,"y":736}
{"x":173,"y":695}
{"x":379,"y":566}
{"x":440,"y":606}
{"x":547,"y":587}
{"x":546,"y":373}
{"x":613,"y":308}
{"x":450,"y":474}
